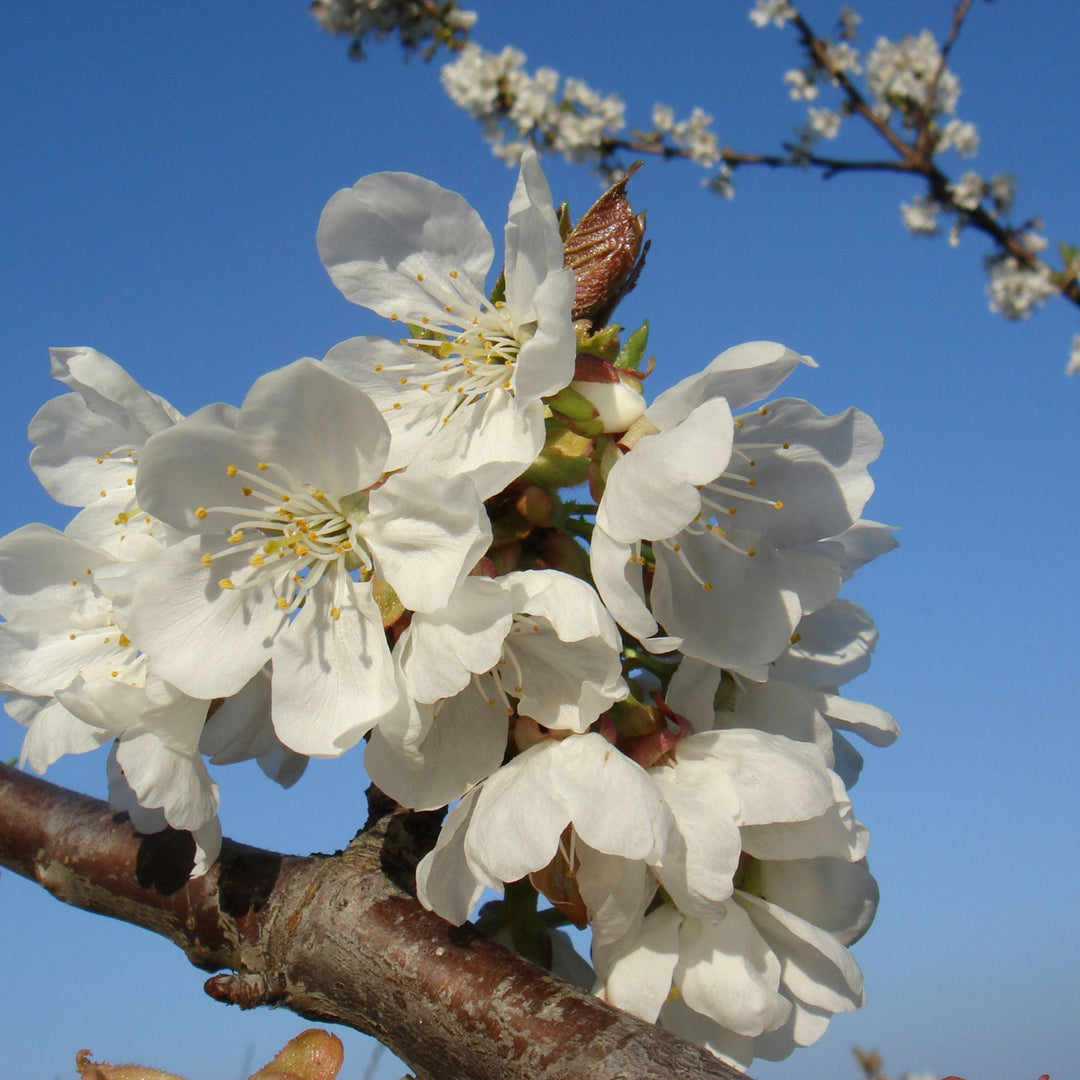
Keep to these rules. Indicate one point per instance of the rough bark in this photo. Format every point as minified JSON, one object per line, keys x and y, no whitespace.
{"x":338,"y":938}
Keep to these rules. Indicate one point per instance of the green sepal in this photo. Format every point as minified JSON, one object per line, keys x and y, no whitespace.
{"x":390,"y":607}
{"x":498,"y":292}
{"x":563,"y":462}
{"x":563,"y":217}
{"x":631,"y":353}
{"x":604,"y":343}
{"x":574,"y":406}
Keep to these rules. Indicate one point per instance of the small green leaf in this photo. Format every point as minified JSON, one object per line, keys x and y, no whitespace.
{"x":631,"y":353}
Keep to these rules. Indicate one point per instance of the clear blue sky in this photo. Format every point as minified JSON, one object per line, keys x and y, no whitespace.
{"x":163,"y":171}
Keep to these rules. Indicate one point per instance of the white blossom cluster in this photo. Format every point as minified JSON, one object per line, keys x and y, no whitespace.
{"x":632,"y":704}
{"x":416,"y":22}
{"x":566,"y":116}
{"x":1016,"y":289}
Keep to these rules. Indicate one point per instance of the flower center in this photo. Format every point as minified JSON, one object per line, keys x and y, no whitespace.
{"x":296,"y":535}
{"x":466,"y":348}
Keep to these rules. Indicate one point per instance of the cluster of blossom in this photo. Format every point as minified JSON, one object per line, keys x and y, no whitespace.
{"x":516,"y":107}
{"x":416,"y":22}
{"x":629,"y":705}
{"x":1016,"y":289}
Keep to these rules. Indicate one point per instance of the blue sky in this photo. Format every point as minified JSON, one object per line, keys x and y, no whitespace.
{"x":163,"y":171}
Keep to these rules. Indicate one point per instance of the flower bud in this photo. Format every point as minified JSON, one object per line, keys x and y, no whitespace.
{"x":606,"y":253}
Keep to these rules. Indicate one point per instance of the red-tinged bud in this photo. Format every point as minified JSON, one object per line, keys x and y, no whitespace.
{"x":535,"y":505}
{"x":560,"y":551}
{"x":505,"y":558}
{"x":606,"y":253}
{"x":89,"y":1070}
{"x":313,"y":1055}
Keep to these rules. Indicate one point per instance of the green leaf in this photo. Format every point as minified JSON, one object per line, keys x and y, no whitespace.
{"x":631,"y":353}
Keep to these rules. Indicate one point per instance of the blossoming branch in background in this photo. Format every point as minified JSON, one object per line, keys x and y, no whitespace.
{"x":904,"y":91}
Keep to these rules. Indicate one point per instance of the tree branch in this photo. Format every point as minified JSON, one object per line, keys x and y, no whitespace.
{"x":338,"y":939}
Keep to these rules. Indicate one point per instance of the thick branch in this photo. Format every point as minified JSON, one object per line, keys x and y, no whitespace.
{"x":334,"y":938}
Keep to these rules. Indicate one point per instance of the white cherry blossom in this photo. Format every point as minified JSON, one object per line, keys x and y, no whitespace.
{"x":294,"y":522}
{"x":468,"y":391}
{"x":535,"y":643}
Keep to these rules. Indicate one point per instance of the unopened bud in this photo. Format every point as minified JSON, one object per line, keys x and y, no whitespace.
{"x":606,"y":253}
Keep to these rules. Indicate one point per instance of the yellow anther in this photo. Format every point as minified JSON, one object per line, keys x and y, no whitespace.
{"x":286,"y":498}
{"x":393,"y":318}
{"x":763,"y":411}
{"x":124,"y":641}
{"x":786,"y":446}
{"x":733,"y":510}
{"x":447,"y":308}
{"x":425,"y":320}
{"x":231,"y":470}
{"x":263,"y":466}
{"x":403,"y":380}
{"x":103,"y":493}
{"x":423,"y":386}
{"x":105,"y":640}
{"x":207,"y":559}
{"x":779,"y":504}
{"x":115,"y":674}
{"x":255,"y":560}
{"x":282,"y":602}
{"x":236,"y":537}
{"x":335,"y":613}
{"x":738,"y":421}
{"x":200,"y":512}
{"x":453,"y":273}
{"x":74,"y":582}
{"x":397,"y":404}
{"x":245,"y":490}
{"x":751,"y":483}
{"x":676,"y":547}
{"x":225,"y":583}
{"x":318,"y":493}
{"x":71,"y":637}
{"x":108,"y":453}
{"x":751,"y":552}
{"x":419,"y":277}
{"x":796,"y":638}
{"x":707,"y":586}
{"x":121,"y":518}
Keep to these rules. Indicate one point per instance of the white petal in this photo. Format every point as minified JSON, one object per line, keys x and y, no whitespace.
{"x":465,"y":745}
{"x":206,"y":640}
{"x":833,"y":894}
{"x":817,"y":969}
{"x":618,"y":579}
{"x":727,"y":972}
{"x":387,"y":239}
{"x":702,"y":856}
{"x":744,"y":621}
{"x":426,"y":533}
{"x":445,"y":881}
{"x":52,"y":731}
{"x":637,"y":970}
{"x":333,"y":677}
{"x":742,"y":374}
{"x":652,"y":492}
{"x":835,"y":645}
{"x":38,"y":563}
{"x":323,"y":428}
{"x":820,"y":474}
{"x":441,"y":650}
